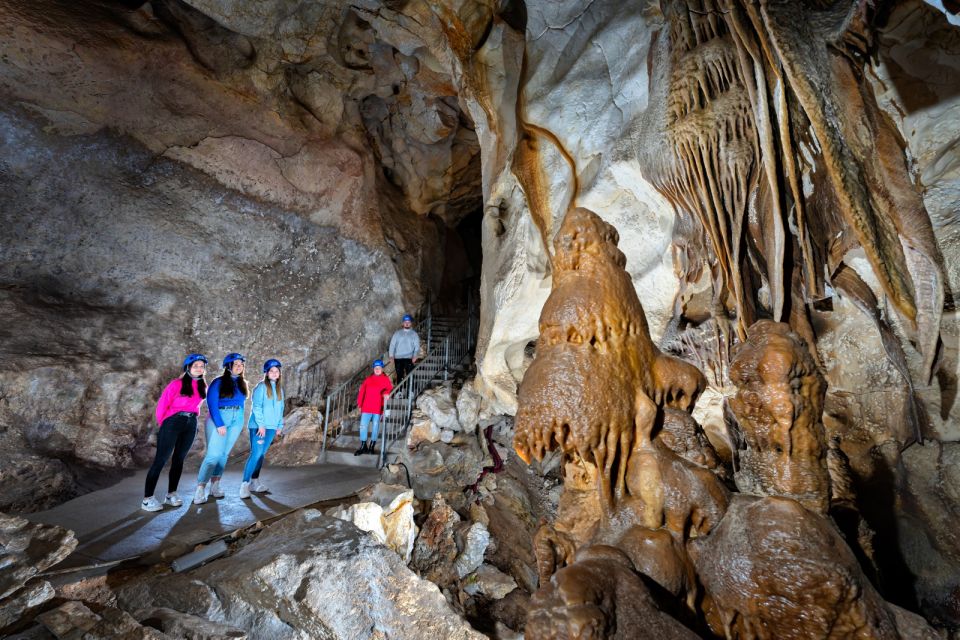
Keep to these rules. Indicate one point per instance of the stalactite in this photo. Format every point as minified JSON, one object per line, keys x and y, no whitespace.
{"x":745,"y":81}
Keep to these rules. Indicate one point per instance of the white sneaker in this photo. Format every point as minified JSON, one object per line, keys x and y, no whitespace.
{"x":258,"y":487}
{"x":201,"y":495}
{"x":151,"y":504}
{"x":244,"y":489}
{"x":215,"y":490}
{"x":173,"y":499}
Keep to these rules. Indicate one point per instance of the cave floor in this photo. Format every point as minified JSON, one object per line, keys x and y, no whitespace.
{"x":111,"y":527}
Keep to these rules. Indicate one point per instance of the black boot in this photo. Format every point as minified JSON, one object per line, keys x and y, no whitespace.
{"x":372,"y":449}
{"x":361,"y":450}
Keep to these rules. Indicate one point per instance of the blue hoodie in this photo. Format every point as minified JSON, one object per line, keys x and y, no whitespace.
{"x":267,"y":412}
{"x":213,"y":393}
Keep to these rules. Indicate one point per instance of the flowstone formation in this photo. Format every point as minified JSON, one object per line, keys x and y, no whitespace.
{"x":777,"y":407}
{"x":644,"y":499}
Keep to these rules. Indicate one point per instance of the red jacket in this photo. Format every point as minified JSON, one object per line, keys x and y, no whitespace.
{"x":370,"y":398}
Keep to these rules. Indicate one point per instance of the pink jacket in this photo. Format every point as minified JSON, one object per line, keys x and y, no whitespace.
{"x":172,"y":402}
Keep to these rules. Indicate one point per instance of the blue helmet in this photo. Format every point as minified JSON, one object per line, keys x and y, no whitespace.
{"x":231,"y":358}
{"x":193,"y":357}
{"x":378,"y":363}
{"x":272,"y":362}
{"x":408,"y":317}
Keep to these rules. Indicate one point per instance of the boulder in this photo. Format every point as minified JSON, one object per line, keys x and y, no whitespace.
{"x":74,"y":620}
{"x":438,"y":467}
{"x":27,"y":548}
{"x":13,"y":607}
{"x":388,"y":516}
{"x":489,"y":582}
{"x":468,"y":407}
{"x":310,"y":575}
{"x":474,"y":545}
{"x":422,"y":429}
{"x":190,"y":627}
{"x":802,"y":579}
{"x":440,"y":406}
{"x":435,"y":550}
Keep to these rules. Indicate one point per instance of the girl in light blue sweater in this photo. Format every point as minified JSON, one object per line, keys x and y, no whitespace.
{"x":266,"y":421}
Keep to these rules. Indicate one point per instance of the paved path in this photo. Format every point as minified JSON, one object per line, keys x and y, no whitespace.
{"x":111,"y":526}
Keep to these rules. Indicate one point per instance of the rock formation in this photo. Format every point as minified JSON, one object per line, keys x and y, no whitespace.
{"x":778,"y":406}
{"x":774,"y":567}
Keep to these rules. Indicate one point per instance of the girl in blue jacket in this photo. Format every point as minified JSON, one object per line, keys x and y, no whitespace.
{"x":266,"y":421}
{"x":225,"y":400}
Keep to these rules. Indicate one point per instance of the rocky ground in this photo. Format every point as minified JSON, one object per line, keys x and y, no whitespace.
{"x":448,"y":554}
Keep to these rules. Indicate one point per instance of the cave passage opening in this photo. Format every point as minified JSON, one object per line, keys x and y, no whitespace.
{"x":459,"y":284}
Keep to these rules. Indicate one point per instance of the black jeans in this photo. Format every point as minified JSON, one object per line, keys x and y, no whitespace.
{"x":176,"y":436}
{"x":403,"y":366}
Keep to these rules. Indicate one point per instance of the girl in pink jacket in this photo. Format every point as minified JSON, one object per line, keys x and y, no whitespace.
{"x":177,"y":416}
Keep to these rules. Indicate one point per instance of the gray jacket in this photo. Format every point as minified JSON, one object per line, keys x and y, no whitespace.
{"x":405,"y":343}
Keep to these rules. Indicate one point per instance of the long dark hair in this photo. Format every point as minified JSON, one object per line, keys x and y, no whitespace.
{"x":226,"y":384}
{"x":186,"y":385}
{"x":266,"y":382}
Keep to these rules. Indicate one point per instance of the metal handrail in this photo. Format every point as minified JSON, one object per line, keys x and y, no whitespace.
{"x":342,"y":400}
{"x":451,"y":352}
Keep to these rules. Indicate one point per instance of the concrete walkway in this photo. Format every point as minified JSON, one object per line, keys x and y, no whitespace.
{"x":110,"y":525}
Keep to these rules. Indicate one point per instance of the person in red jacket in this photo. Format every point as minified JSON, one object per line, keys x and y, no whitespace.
{"x":373,"y":392}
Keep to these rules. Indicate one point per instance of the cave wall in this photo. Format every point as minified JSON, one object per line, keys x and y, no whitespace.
{"x":178,"y":177}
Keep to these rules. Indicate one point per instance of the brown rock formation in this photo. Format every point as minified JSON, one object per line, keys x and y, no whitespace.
{"x":640,"y":499}
{"x":774,"y":569}
{"x":599,"y":597}
{"x":778,"y":406}
{"x":593,"y":322}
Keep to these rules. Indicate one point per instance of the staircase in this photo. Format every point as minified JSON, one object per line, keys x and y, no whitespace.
{"x":447,"y":343}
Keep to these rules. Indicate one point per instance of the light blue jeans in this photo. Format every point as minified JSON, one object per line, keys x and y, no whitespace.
{"x":364,"y":421}
{"x":258,"y":449}
{"x":218,"y":446}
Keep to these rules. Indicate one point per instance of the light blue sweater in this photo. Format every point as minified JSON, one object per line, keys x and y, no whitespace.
{"x":267,"y":412}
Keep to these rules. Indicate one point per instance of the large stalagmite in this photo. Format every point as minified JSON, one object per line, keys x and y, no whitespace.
{"x":600,"y":392}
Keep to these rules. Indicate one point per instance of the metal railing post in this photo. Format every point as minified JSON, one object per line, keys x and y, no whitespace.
{"x":326,"y":426}
{"x":446,"y":358}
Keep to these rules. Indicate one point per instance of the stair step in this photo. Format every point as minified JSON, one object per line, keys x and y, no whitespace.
{"x":338,"y":454}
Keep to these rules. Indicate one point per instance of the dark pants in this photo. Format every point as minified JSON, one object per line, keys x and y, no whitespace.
{"x":403,"y":366}
{"x":175,"y":437}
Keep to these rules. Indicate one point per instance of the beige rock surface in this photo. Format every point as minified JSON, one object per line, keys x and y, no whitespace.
{"x":307,"y":576}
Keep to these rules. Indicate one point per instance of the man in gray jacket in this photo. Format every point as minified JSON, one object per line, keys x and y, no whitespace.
{"x":404,"y":348}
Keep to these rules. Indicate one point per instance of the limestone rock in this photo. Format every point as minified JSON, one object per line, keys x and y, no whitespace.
{"x":422,"y":429}
{"x":489,"y":582}
{"x":301,"y":440}
{"x":27,"y":549}
{"x":388,"y":517}
{"x":13,"y":607}
{"x":183,"y":625}
{"x":310,"y":575}
{"x":443,"y":468}
{"x":446,"y":436}
{"x":435,"y":550}
{"x":74,"y":620}
{"x":474,"y":545}
{"x":440,"y":406}
{"x":468,"y":407}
